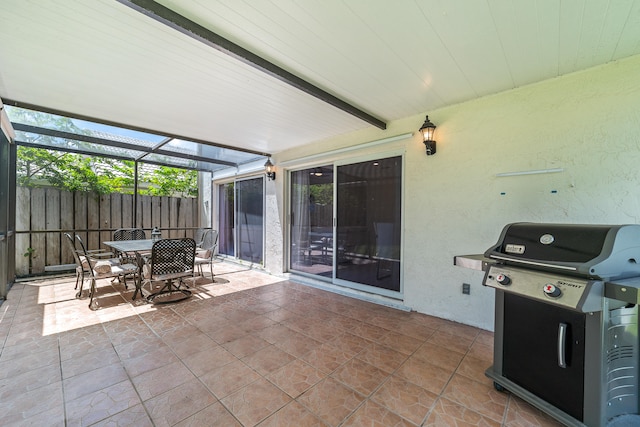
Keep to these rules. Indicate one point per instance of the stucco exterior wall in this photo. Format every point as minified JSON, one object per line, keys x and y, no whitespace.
{"x":587,"y":124}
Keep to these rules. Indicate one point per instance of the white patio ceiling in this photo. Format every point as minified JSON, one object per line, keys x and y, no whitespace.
{"x":102,"y":59}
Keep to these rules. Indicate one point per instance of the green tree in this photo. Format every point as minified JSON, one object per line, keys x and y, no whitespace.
{"x":322,"y":194}
{"x":78,"y":172}
{"x":168,"y":181}
{"x":67,"y":171}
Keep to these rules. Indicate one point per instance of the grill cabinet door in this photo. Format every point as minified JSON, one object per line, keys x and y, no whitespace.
{"x":530,"y":352}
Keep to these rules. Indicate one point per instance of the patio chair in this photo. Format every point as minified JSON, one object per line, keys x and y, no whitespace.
{"x":171,"y":261}
{"x":101,"y":269}
{"x":82,"y":264}
{"x":199,"y":236}
{"x":129,"y":234}
{"x":121,"y":234}
{"x":207,"y":251}
{"x":81,"y":268}
{"x":138,"y":234}
{"x":307,"y":250}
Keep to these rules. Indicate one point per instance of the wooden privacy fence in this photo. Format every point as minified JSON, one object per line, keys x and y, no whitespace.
{"x":44,"y":214}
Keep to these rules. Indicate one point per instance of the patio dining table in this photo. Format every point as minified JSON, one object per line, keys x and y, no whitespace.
{"x":130,"y":246}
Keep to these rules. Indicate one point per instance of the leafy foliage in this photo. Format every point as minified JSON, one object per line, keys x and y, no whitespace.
{"x":76,"y":172}
{"x":165,"y":181}
{"x":71,"y":172}
{"x":322,"y":194}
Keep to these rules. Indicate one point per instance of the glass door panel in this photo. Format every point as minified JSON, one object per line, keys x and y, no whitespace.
{"x":249,"y":219}
{"x":368,"y":227}
{"x":226,"y":219}
{"x":311,"y":240}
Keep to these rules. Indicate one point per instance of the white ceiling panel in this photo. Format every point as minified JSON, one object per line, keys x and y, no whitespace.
{"x":528,"y":33}
{"x":105,"y":60}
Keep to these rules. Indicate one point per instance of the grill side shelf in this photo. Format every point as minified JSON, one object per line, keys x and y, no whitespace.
{"x":627,"y":290}
{"x":475,"y":262}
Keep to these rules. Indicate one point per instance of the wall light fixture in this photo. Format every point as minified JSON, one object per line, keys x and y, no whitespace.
{"x":270,"y":169}
{"x":427,"y":130}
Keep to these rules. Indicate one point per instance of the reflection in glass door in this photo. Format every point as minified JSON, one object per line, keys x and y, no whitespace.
{"x":311,"y":240}
{"x":249,"y":219}
{"x":368,"y":226}
{"x":226,"y":219}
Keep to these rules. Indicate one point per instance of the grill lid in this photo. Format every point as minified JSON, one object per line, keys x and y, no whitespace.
{"x":596,"y":251}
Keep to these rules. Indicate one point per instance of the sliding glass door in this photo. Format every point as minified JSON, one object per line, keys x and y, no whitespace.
{"x":361,"y":248}
{"x":368,"y":223}
{"x":241,"y":220}
{"x":311,"y":238}
{"x":226,"y":219}
{"x":250,"y":220}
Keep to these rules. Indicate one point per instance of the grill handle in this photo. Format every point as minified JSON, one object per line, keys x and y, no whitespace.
{"x":562,"y":339}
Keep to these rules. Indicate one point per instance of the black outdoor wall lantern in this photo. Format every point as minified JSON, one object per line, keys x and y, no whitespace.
{"x":427,"y":130}
{"x":269,"y":168}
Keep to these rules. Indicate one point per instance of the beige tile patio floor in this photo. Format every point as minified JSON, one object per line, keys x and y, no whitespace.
{"x":249,"y":349}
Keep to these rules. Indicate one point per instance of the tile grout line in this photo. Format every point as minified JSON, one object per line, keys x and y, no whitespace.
{"x":64,"y":399}
{"x":15,"y":311}
{"x":129,"y":378}
{"x":194,"y":374}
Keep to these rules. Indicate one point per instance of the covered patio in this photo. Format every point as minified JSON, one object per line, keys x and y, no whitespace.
{"x":247,"y":349}
{"x":44,"y":211}
{"x":535,"y":106}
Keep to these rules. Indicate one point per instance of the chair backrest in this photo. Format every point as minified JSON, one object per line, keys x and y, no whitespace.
{"x":210,"y":240}
{"x":83,"y":252}
{"x":72,"y":247}
{"x":129,"y":234}
{"x":199,"y":236}
{"x":121,"y":234}
{"x":172,"y":256}
{"x":214,"y":242}
{"x":138,"y":234}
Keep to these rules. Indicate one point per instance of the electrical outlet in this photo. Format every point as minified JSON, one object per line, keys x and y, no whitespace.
{"x":466,"y":288}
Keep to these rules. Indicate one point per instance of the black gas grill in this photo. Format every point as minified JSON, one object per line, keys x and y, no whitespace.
{"x":606,"y":252}
{"x":566,"y":319}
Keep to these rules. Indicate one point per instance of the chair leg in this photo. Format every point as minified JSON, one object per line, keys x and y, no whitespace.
{"x":138,"y":283}
{"x":92,"y":292}
{"x":79,"y":293}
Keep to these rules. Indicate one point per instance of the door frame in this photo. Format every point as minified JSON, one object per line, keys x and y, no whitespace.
{"x":7,"y":203}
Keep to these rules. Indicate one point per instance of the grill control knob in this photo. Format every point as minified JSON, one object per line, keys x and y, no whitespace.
{"x":552,"y":290}
{"x":503,"y":280}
